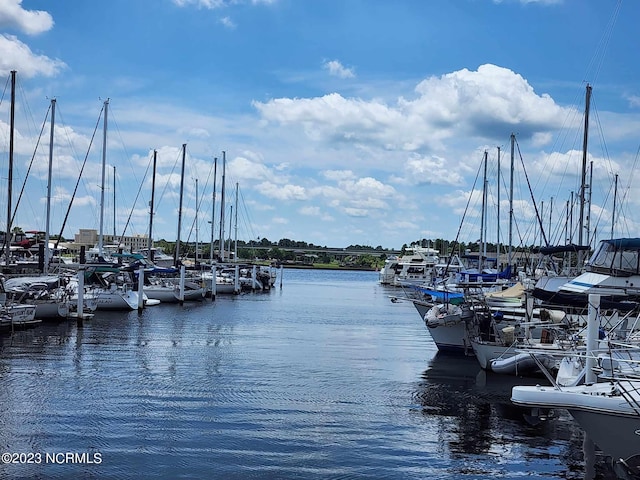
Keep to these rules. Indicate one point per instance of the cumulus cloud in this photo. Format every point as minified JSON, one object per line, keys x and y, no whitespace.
{"x":310,"y":210}
{"x":569,"y":164}
{"x":245,"y":168}
{"x":355,"y":196}
{"x":282,"y":192}
{"x":227,"y":22}
{"x":15,"y":55}
{"x":487,"y":103}
{"x":336,"y":69}
{"x":433,"y":170}
{"x":31,"y":22}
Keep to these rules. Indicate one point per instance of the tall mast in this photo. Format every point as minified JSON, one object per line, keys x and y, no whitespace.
{"x":584,"y":165}
{"x":222,"y":239}
{"x":184,"y":153}
{"x":114,"y":201}
{"x":151,"y":202}
{"x":7,"y":237}
{"x":482,"y":215}
{"x":197,"y":205}
{"x":615,"y":196}
{"x":587,"y":224}
{"x":47,"y":253}
{"x":104,"y":163}
{"x":498,"y":229}
{"x":513,"y":141}
{"x":235,"y":247}
{"x":213,"y":207}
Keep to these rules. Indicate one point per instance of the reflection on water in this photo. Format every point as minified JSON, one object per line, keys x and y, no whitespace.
{"x":325,"y":378}
{"x":482,"y":421}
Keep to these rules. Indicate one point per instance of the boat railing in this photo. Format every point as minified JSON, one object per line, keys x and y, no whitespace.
{"x":630,"y":391}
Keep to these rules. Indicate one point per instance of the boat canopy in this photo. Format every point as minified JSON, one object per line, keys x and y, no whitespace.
{"x":550,"y":250}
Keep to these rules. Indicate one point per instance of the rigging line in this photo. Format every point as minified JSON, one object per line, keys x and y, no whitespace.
{"x":455,"y":241}
{"x":6,"y":86}
{"x":112,"y":120}
{"x":84,"y":163}
{"x":166,"y":185}
{"x":610,"y":168}
{"x":24,"y":183}
{"x":628,"y":187}
{"x":126,"y":225}
{"x":249,"y":219}
{"x":603,"y":44}
{"x":533,"y":200}
{"x":70,"y":145}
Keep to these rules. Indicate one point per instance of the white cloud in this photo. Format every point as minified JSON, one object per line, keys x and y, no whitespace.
{"x":336,"y":69}
{"x":31,"y":22}
{"x":487,"y":103}
{"x":338,"y":175}
{"x":282,"y":192}
{"x":434,"y":170}
{"x":310,"y":210}
{"x":15,"y":55}
{"x":227,"y":22}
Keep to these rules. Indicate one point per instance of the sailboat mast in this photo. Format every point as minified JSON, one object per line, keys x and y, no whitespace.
{"x":151,"y":203}
{"x":104,"y":163}
{"x":47,"y":253}
{"x":177,"y":255}
{"x":7,"y":237}
{"x":235,"y":247}
{"x":213,"y":206}
{"x":615,"y":197}
{"x":513,"y":141}
{"x":584,"y":164}
{"x":498,"y":208}
{"x":197,"y":206}
{"x":587,"y":224}
{"x":114,"y":201}
{"x":222,"y":239}
{"x":482,"y":215}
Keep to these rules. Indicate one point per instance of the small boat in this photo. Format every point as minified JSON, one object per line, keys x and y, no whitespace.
{"x":524,"y":363}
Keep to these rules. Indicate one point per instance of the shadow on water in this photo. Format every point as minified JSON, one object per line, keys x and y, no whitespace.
{"x":484,"y":421}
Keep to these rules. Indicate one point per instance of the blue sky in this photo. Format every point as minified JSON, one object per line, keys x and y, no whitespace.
{"x":343,"y":122}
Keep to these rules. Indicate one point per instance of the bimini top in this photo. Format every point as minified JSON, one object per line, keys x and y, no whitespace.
{"x":623,"y":242}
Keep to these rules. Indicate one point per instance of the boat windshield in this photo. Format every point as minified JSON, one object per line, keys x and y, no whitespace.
{"x":616,"y":258}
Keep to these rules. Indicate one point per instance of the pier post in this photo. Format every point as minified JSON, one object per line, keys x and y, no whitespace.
{"x":236,"y":286}
{"x":140,"y":288}
{"x":214,"y":285}
{"x":592,"y":337}
{"x":281,"y":272}
{"x":80,"y":311}
{"x":181,"y":292}
{"x":253,"y":278}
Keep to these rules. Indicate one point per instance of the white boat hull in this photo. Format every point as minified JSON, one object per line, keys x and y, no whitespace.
{"x":610,"y":421}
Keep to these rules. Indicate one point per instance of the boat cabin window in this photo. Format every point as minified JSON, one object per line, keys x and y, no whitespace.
{"x":608,"y":259}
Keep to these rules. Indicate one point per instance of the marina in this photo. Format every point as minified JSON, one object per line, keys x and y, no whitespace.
{"x":323,"y":377}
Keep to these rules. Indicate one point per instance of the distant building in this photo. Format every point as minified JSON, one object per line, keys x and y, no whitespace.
{"x":88,"y":238}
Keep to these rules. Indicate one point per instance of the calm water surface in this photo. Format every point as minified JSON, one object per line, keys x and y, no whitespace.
{"x":324,"y":378}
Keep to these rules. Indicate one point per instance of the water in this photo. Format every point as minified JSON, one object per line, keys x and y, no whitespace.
{"x":324,"y":378}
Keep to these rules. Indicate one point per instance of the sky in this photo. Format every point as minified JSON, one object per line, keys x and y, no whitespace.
{"x":341,"y":122}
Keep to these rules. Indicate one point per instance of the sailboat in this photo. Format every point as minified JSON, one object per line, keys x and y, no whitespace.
{"x":47,"y":292}
{"x":105,"y":283}
{"x":547,"y":287}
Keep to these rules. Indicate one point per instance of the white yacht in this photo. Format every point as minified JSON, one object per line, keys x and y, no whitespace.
{"x":415,"y":267}
{"x":612,"y":271}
